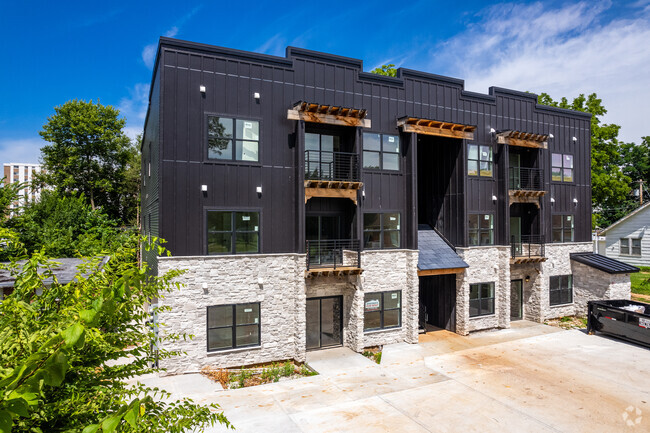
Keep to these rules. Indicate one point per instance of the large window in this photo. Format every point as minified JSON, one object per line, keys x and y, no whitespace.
{"x":380,"y":151}
{"x":233,"y":232}
{"x":233,"y":139}
{"x":232,"y":326}
{"x":319,"y":155}
{"x":481,"y":229}
{"x":479,"y":160}
{"x":561,"y":289}
{"x":481,"y":299}
{"x":381,"y":230}
{"x":382,"y":310}
{"x":562,"y":228}
{"x":630,"y":246}
{"x":561,"y":167}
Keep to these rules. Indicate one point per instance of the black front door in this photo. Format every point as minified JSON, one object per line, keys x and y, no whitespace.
{"x":324,"y":322}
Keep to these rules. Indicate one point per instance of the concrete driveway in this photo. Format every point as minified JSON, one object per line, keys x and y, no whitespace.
{"x":531,"y":378}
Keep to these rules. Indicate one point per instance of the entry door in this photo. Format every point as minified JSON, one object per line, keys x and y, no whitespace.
{"x":324,"y":322}
{"x":516,"y":299}
{"x":514,"y":171}
{"x":515,"y":233}
{"x":322,"y":228}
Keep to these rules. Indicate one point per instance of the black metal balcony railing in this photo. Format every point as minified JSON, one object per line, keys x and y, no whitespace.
{"x":527,"y":179}
{"x":528,"y":246}
{"x":334,"y":253}
{"x":334,"y":166}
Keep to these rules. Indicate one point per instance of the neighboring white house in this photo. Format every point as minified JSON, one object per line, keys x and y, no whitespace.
{"x":18,"y":172}
{"x":628,"y":239}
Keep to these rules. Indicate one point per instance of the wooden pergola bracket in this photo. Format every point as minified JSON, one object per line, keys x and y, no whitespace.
{"x":436,"y":127}
{"x":329,"y":114}
{"x":331,"y":193}
{"x":526,"y":260}
{"x":447,"y":271}
{"x":331,"y":272}
{"x":523,"y":139}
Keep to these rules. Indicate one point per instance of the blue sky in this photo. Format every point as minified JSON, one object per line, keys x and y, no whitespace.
{"x":57,"y":51}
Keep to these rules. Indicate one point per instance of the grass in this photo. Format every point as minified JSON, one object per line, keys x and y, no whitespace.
{"x":638,"y":278}
{"x":373,"y":353}
{"x":244,"y":377}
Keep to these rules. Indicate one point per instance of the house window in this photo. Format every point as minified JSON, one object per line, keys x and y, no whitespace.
{"x":233,"y":232}
{"x":481,"y":299}
{"x":479,"y":160}
{"x":382,"y":310}
{"x":381,"y":151}
{"x":561,"y":167}
{"x":561,"y":289}
{"x":320,"y":160}
{"x":233,"y":326}
{"x":630,"y":246}
{"x":481,"y":229}
{"x":381,"y":230}
{"x":562,"y":228}
{"x":233,"y":139}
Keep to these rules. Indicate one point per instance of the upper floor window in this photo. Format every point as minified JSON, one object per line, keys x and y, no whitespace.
{"x":233,"y":232}
{"x":481,"y":299}
{"x":561,"y":289}
{"x":381,"y":230}
{"x":561,"y":167}
{"x":381,"y":151}
{"x":562,"y":228}
{"x":479,"y":160}
{"x":233,"y":139}
{"x":481,"y":229}
{"x":630,"y":246}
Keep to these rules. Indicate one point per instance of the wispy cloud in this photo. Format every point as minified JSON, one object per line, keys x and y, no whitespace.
{"x":134,"y":108}
{"x":275,"y":45}
{"x":27,"y":150}
{"x":149,"y":51}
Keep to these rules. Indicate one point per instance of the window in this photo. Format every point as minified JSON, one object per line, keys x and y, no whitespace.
{"x":232,"y":326}
{"x":479,"y":160}
{"x":233,"y":232}
{"x":561,"y":167}
{"x":630,"y":246}
{"x":233,"y":139}
{"x":319,"y":156}
{"x":561,"y":289}
{"x":481,"y":229}
{"x":380,"y":151}
{"x":481,"y":299}
{"x":381,"y":230}
{"x":382,"y":310}
{"x":562,"y":228}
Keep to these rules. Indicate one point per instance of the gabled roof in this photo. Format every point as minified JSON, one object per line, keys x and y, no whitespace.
{"x":634,"y":212}
{"x":603,"y":263}
{"x":434,"y":252}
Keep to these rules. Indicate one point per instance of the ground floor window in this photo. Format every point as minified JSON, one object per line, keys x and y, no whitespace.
{"x":382,"y":310}
{"x":232,"y":326}
{"x":561,"y":289}
{"x":481,"y":299}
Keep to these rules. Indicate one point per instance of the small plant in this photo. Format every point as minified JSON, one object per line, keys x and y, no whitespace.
{"x":373,"y":353}
{"x":242,"y":377}
{"x":566,"y":319}
{"x":287,"y":369}
{"x":306,"y":371}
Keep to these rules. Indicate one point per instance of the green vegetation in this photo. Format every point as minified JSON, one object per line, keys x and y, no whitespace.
{"x":375,"y":355}
{"x":387,"y":70}
{"x":641,"y":281}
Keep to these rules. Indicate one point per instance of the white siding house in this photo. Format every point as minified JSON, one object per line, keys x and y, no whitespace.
{"x":628,"y":239}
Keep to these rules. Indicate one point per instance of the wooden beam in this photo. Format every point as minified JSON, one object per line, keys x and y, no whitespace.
{"x":429,"y":272}
{"x":501,"y":139}
{"x":441,"y":131}
{"x":331,"y":193}
{"x":330,"y":119}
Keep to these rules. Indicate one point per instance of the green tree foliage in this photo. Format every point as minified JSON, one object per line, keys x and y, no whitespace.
{"x":388,"y":70}
{"x":8,"y":195}
{"x":89,"y":154}
{"x":58,"y":353}
{"x":635,"y":160}
{"x":610,"y":187}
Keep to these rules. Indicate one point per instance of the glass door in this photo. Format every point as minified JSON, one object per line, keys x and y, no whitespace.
{"x":515,"y":171}
{"x":324,"y":322}
{"x":516,"y":299}
{"x":322,"y":228}
{"x":515,"y":234}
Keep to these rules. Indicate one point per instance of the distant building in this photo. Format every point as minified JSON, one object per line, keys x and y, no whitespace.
{"x":626,"y":239}
{"x":18,"y":172}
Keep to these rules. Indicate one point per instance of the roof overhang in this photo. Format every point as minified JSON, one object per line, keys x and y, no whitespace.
{"x":604,"y":263}
{"x":329,"y":114}
{"x":436,"y":127}
{"x":523,"y":139}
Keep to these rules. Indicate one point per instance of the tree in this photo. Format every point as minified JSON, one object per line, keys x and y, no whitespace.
{"x":635,"y":160}
{"x":89,"y":154}
{"x":8,"y":195}
{"x":58,"y":346}
{"x":388,"y":70}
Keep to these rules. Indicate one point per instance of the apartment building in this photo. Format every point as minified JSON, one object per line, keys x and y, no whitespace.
{"x":314,"y":204}
{"x":19,"y":172}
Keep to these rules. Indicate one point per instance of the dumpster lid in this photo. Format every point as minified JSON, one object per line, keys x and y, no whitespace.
{"x":604,"y":263}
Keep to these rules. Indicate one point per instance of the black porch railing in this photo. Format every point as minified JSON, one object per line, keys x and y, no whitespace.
{"x":334,"y":253}
{"x":528,"y":246}
{"x":526,"y":179}
{"x":334,"y":166}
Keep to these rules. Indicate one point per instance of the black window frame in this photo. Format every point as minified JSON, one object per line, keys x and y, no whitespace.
{"x":629,"y":245}
{"x":233,"y":231}
{"x":234,"y":326}
{"x":234,"y":139}
{"x":478,"y":300}
{"x":382,"y":309}
{"x":478,"y":161}
{"x":562,"y":168}
{"x":568,"y":289}
{"x":381,"y":152}
{"x":382,"y":230}
{"x":564,"y":219}
{"x":478,"y":230}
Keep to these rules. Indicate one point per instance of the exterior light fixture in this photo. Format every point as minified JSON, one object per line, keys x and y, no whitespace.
{"x":259,"y":190}
{"x":527,"y":279}
{"x":575,"y":201}
{"x":552,"y":200}
{"x":551,"y":136}
{"x":204,"y":188}
{"x":260,"y":281}
{"x":494,"y":198}
{"x":575,"y":138}
{"x":492,"y":131}
{"x":202,"y":89}
{"x":256,"y":95}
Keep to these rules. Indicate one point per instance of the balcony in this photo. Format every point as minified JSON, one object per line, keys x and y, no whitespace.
{"x":525,"y":185}
{"x":529,"y":249}
{"x":332,"y":174}
{"x":335,"y":257}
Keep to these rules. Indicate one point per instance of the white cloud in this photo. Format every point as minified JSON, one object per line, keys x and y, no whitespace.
{"x":134,"y":109}
{"x":27,"y":150}
{"x":149,"y":55}
{"x":562,"y":51}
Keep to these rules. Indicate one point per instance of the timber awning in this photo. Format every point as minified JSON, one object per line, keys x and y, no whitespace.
{"x":329,"y":114}
{"x":523,"y":139}
{"x":436,"y":257}
{"x":436,"y":127}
